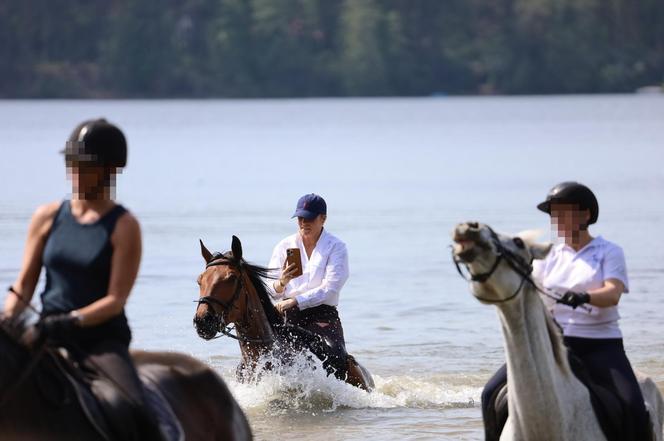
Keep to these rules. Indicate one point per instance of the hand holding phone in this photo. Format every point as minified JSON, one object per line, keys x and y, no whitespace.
{"x":293,"y":257}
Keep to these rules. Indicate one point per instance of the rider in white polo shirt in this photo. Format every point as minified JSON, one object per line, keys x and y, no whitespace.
{"x":310,"y":300}
{"x":591,"y":274}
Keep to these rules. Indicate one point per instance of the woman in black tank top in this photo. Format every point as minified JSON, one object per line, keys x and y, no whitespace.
{"x":90,"y":248}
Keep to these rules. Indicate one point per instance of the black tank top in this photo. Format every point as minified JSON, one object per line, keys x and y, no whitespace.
{"x":77,"y":259}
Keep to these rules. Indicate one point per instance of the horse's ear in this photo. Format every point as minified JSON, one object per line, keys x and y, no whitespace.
{"x":236,"y":247}
{"x":207,"y":255}
{"x":540,"y":250}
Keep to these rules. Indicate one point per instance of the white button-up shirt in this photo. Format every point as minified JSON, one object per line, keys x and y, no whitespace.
{"x":567,"y":270}
{"x":324,"y":273}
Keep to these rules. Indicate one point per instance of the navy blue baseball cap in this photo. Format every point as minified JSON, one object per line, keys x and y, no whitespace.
{"x":309,"y":206}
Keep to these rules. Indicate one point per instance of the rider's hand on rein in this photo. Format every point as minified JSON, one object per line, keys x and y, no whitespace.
{"x":574,"y":299}
{"x":285,"y":305}
{"x":56,"y":327}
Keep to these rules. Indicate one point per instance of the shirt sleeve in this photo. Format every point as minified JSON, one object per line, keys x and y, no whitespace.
{"x":276,"y":263}
{"x":614,"y":266}
{"x":539,"y":266}
{"x":336,"y":274}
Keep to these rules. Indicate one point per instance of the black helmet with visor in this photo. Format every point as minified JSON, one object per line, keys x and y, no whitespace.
{"x":572,"y":193}
{"x":97,"y":142}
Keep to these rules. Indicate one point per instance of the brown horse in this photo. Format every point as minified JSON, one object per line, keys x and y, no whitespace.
{"x":233,"y":291}
{"x":37,"y":402}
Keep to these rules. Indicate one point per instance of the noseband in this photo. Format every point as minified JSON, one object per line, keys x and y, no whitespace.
{"x":515,"y":262}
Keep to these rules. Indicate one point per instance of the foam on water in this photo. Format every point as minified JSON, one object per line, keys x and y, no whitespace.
{"x":305,"y":387}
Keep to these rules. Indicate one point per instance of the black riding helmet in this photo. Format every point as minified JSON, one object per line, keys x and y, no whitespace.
{"x":98,"y":142}
{"x":572,"y":193}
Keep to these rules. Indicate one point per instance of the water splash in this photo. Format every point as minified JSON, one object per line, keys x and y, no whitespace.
{"x":304,"y":387}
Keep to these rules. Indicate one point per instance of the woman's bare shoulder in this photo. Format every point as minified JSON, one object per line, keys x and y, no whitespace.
{"x":127,"y":226}
{"x":46,"y":213}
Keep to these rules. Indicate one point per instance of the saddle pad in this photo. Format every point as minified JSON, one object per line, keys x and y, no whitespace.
{"x":169,"y":424}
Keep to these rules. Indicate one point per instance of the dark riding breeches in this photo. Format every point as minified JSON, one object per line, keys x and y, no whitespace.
{"x":330,"y":347}
{"x":114,"y":380}
{"x":607,"y":364}
{"x":494,"y":419}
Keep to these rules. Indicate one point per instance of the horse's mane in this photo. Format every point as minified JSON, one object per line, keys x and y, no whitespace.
{"x":14,"y":352}
{"x":257,"y":275}
{"x":13,"y":328}
{"x":555,"y":335}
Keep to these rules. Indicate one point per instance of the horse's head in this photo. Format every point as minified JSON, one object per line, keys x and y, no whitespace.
{"x":498,"y":264}
{"x":221,"y":284}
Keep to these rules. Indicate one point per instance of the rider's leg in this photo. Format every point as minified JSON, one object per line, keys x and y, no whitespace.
{"x":607,"y":363}
{"x":111,"y":362}
{"x":324,"y":322}
{"x":333,"y":335}
{"x":493,"y":424}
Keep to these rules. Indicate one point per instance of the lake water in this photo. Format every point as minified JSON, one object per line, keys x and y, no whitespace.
{"x":397,"y":174}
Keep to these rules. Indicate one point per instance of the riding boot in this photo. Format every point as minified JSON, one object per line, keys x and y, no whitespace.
{"x":494,"y":404}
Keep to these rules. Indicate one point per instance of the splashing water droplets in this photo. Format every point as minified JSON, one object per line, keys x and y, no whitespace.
{"x":303,"y":386}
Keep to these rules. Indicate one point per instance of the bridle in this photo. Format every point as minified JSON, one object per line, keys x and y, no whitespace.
{"x":517,"y":263}
{"x":238,"y":290}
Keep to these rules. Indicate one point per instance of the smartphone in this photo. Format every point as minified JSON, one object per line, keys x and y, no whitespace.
{"x":293,"y":256}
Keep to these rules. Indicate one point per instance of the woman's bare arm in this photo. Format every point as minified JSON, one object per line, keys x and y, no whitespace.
{"x":607,"y":295}
{"x":27,"y":279}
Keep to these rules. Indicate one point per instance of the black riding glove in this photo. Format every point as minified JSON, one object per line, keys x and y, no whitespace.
{"x":574,"y":299}
{"x":58,"y":326}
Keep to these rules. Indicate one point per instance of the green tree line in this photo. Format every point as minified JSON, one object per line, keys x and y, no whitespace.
{"x":300,"y":48}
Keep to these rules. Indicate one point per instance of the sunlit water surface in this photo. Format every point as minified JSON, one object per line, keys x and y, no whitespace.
{"x":398,"y":174}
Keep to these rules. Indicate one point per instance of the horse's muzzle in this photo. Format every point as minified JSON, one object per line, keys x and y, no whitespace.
{"x":207,"y":325}
{"x":465,"y":238}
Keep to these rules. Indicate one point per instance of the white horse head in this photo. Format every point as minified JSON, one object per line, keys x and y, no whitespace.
{"x":497,"y":263}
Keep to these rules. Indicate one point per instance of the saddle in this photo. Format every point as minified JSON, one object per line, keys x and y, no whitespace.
{"x":68,"y":382}
{"x":613,"y":415}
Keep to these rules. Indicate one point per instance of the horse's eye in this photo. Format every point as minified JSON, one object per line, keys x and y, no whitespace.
{"x":518,"y":242}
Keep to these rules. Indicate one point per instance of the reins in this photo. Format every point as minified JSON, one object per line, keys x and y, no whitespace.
{"x":35,"y":359}
{"x":34,"y":362}
{"x":240,"y":288}
{"x":237,"y":291}
{"x":515,"y":262}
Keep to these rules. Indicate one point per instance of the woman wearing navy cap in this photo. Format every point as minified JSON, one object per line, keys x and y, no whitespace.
{"x":310,"y":300}
{"x":588,"y":271}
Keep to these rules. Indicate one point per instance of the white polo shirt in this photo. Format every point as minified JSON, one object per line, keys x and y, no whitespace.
{"x":324,"y":274}
{"x":567,"y":270}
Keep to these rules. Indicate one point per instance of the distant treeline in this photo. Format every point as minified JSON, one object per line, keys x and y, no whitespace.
{"x":299,"y":48}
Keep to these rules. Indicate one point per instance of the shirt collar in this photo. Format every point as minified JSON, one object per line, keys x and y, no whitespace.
{"x":596,"y":242}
